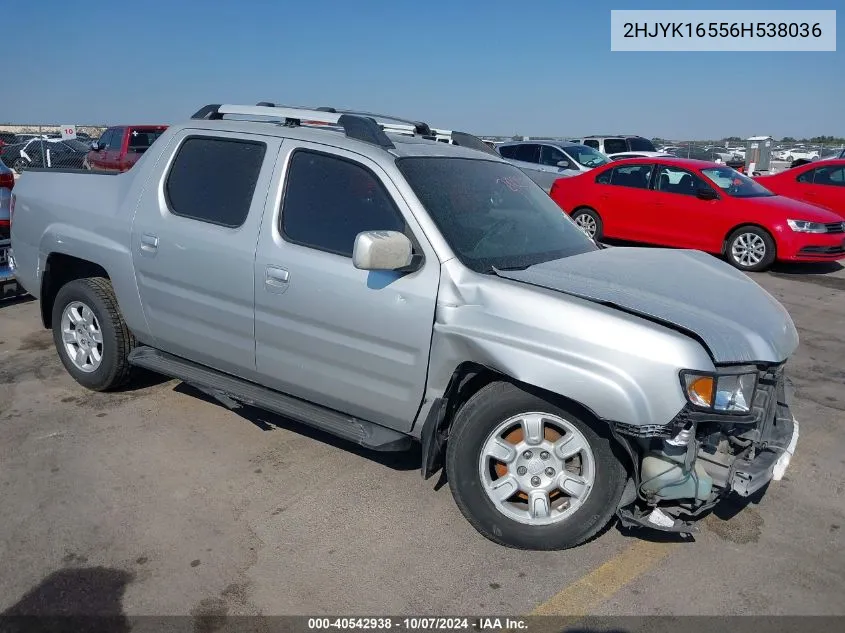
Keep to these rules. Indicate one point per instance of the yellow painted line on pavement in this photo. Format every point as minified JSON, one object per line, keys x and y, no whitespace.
{"x":582,"y":596}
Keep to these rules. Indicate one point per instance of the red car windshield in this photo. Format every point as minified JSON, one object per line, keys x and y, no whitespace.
{"x":736,"y":184}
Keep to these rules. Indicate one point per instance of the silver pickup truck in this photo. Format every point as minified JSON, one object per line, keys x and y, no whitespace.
{"x":393,"y":290}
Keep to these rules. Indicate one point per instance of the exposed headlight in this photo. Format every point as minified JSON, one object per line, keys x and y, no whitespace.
{"x":805,"y":226}
{"x":726,"y":393}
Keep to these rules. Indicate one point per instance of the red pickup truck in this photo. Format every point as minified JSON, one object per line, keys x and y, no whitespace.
{"x":121,"y":146}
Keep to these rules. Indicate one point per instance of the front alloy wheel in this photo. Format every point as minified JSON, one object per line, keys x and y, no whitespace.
{"x":528,"y":473}
{"x":751,"y":249}
{"x":537,"y":468}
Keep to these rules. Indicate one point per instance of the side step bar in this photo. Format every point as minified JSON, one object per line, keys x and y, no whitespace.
{"x":226,"y":387}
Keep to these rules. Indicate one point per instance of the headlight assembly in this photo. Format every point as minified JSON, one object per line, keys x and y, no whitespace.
{"x":722,"y":393}
{"x":805,"y":226}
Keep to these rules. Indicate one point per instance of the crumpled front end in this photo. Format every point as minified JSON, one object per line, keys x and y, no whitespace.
{"x":688,"y":466}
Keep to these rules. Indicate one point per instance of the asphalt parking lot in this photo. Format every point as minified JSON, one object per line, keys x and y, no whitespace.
{"x":157,"y":501}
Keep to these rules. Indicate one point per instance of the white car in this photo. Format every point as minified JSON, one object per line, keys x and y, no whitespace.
{"x":621,"y":155}
{"x":801,"y":153}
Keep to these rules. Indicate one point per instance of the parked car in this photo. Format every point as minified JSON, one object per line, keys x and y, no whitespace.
{"x":696,"y":204}
{"x":546,"y":161}
{"x":8,"y":285}
{"x":616,"y":143}
{"x":44,"y":152}
{"x":7,"y":138}
{"x":796,"y":153}
{"x":821,"y":183}
{"x":120,"y":147}
{"x":7,"y":183}
{"x":622,"y":155}
{"x":387,"y":289}
{"x":699,"y":152}
{"x":720,"y":152}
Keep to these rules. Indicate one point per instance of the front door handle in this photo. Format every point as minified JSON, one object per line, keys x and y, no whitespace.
{"x":149,"y":243}
{"x":276,"y":279}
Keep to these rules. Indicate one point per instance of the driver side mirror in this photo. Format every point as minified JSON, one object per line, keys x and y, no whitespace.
{"x":382,"y":250}
{"x":565,"y":164}
{"x":706,"y":193}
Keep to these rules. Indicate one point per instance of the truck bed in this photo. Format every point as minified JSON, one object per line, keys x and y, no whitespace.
{"x":70,"y":211}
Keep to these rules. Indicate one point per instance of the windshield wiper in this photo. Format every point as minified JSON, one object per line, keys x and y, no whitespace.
{"x":497,"y":269}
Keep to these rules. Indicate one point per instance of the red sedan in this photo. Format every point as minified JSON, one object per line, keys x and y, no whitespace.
{"x":700,"y":205}
{"x":821,"y":183}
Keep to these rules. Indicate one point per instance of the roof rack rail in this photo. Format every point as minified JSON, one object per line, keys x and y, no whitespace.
{"x":364,"y":126}
{"x":358,"y":127}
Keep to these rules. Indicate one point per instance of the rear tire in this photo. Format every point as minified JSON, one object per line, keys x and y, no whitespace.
{"x":91,"y":337}
{"x":19,"y":166}
{"x":589,"y":221}
{"x":569,"y":519}
{"x":751,"y":249}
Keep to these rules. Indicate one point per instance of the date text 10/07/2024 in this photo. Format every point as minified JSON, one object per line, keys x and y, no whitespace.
{"x":418,"y":624}
{"x":722,"y":29}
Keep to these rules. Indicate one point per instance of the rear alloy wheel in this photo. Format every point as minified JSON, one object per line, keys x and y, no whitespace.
{"x":90,"y":334}
{"x":19,"y":165}
{"x":529,"y":474}
{"x":588,"y":221}
{"x":751,"y":249}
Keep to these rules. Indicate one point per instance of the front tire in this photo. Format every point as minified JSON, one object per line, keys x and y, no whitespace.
{"x":20,"y":165}
{"x":530,"y":474}
{"x":91,"y":337}
{"x":751,"y":249}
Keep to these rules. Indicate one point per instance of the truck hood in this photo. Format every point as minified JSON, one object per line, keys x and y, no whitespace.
{"x":711,"y":301}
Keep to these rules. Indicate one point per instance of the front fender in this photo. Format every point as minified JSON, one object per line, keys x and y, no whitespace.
{"x":615,"y":384}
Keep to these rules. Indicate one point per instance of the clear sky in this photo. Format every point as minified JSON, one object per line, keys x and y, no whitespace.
{"x":532,"y":67}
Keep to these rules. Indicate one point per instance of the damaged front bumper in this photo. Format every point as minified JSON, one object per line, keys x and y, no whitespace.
{"x":675,"y":485}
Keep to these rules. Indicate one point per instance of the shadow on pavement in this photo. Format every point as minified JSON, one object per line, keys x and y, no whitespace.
{"x":83,"y":599}
{"x":13,"y":301}
{"x":817,"y":268}
{"x":267,"y":421}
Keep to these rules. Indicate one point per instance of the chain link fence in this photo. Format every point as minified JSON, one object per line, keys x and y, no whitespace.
{"x":27,"y":146}
{"x":782,"y":154}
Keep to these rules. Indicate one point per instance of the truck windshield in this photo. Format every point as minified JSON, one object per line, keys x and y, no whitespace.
{"x":491,"y":214}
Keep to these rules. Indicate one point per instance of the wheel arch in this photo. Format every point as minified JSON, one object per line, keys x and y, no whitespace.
{"x":469,"y":378}
{"x":59,"y":269}
{"x":735,"y":228}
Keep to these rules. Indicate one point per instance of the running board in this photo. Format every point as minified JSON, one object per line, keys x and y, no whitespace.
{"x":225,"y":387}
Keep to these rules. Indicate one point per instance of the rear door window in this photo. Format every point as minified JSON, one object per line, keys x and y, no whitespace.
{"x":591,"y":142}
{"x":635,"y":176}
{"x":527,"y":153}
{"x":640,"y":144}
{"x":615,"y":145}
{"x":213,"y":179}
{"x":507,"y":151}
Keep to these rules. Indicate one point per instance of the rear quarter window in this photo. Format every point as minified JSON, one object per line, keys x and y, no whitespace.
{"x":213,"y":179}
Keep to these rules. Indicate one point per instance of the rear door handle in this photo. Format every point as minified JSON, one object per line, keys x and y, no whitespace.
{"x":149,"y":243}
{"x":276,"y":279}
